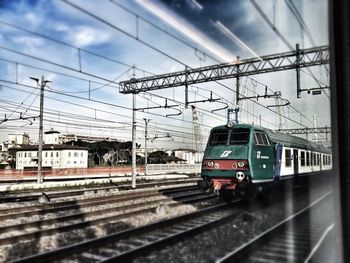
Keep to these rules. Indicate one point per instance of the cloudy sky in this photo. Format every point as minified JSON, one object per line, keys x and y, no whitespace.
{"x":85,"y":48}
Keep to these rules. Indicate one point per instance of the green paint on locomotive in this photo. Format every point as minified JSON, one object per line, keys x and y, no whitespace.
{"x":261,"y":158}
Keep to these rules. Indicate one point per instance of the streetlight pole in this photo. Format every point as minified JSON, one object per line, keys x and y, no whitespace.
{"x":146,"y":124}
{"x":40,"y":149}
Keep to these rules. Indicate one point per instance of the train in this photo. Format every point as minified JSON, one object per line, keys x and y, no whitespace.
{"x":242,"y":160}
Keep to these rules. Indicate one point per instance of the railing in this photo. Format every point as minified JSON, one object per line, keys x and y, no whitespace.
{"x":173,"y":168}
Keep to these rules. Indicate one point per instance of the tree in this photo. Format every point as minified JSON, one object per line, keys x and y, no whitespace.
{"x":157,"y":157}
{"x":106,"y":152}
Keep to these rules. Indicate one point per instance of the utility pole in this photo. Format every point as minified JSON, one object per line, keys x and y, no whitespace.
{"x":40,"y":150}
{"x":133,"y":154}
{"x":146,"y":135}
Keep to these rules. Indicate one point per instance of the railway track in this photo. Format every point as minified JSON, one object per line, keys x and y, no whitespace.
{"x":294,"y":239}
{"x":41,"y":209}
{"x":34,"y":196}
{"x":12,"y":233}
{"x":188,"y":238}
{"x":126,"y":245}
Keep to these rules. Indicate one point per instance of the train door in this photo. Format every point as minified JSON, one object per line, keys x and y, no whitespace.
{"x":296,"y":161}
{"x":278,"y":154}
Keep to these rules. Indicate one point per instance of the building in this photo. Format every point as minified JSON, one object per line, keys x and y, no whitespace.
{"x":91,"y":139}
{"x":191,"y":157}
{"x":54,"y":156}
{"x":16,"y":139}
{"x":52,"y":137}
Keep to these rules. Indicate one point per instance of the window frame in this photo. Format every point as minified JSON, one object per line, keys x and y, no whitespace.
{"x":263,"y":135}
{"x":302,"y":159}
{"x":217,"y":133}
{"x":288,"y":160}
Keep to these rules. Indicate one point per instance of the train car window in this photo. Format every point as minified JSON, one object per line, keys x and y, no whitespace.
{"x":218,"y":137}
{"x":307,"y":159}
{"x":261,"y":139}
{"x":239,"y":136}
{"x":311,"y":159}
{"x":315,"y":159}
{"x":288,"y":158}
{"x":302,"y":158}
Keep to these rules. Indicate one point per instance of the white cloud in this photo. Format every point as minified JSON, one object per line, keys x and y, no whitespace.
{"x":83,"y":36}
{"x":33,"y":19}
{"x":29,"y":41}
{"x":187,"y":29}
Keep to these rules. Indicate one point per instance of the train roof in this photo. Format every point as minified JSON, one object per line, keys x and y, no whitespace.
{"x":279,"y":137}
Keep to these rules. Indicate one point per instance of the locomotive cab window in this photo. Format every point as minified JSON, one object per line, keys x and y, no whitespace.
{"x":218,"y":137}
{"x":239,"y":136}
{"x":261,"y":139}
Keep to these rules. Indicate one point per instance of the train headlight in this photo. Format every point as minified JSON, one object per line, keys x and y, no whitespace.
{"x":210,"y":164}
{"x":240,"y":164}
{"x":216,"y":166}
{"x":240,"y":176}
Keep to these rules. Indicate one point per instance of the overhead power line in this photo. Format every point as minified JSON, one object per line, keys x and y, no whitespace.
{"x":280,"y":35}
{"x":300,"y":20}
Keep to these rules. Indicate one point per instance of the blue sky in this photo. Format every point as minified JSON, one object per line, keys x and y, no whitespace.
{"x":78,"y":52}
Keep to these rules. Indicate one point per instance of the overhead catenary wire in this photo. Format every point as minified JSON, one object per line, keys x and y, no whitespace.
{"x":126,"y":116}
{"x":280,"y":35}
{"x":137,"y":39}
{"x":300,"y":20}
{"x":70,"y":45}
{"x":107,"y":58}
{"x":124,"y":33}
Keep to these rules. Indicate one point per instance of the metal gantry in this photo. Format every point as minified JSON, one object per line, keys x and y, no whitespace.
{"x":264,"y":64}
{"x":318,"y":130}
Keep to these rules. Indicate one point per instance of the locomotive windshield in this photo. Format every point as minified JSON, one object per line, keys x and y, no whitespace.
{"x":239,"y":136}
{"x":218,"y":137}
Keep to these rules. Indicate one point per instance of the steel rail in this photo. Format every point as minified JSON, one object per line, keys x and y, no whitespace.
{"x":68,"y":251}
{"x":70,"y":205}
{"x":148,"y":247}
{"x":34,"y":197}
{"x":242,"y":253}
{"x":73,"y":226}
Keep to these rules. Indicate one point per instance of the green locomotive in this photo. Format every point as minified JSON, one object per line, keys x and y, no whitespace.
{"x":243,"y":159}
